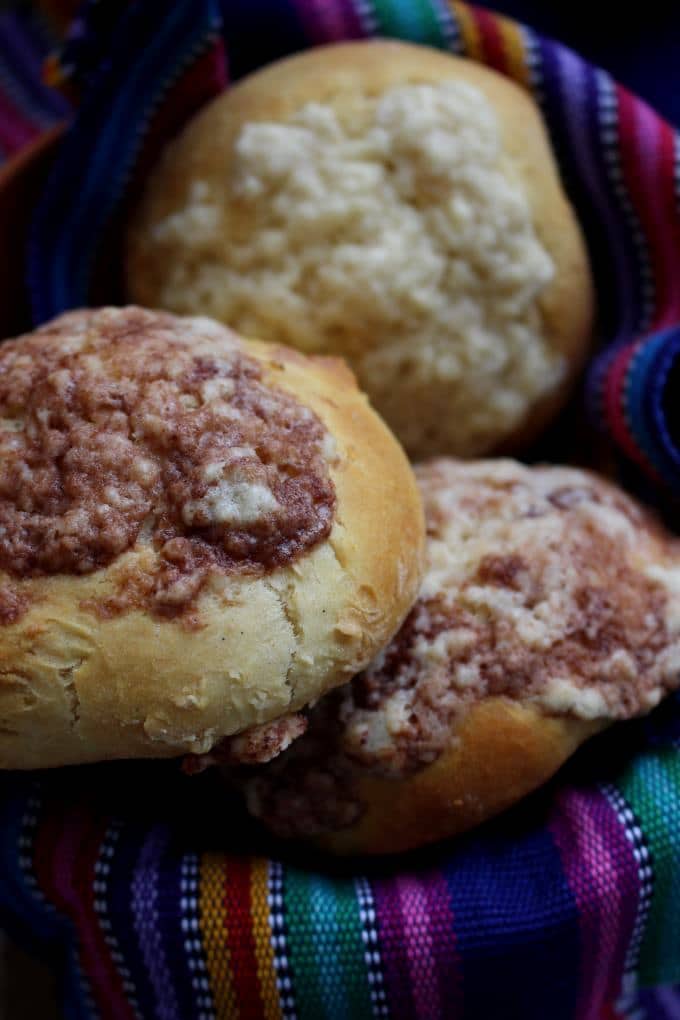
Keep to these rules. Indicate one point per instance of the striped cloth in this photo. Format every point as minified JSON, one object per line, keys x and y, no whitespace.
{"x":150,"y":891}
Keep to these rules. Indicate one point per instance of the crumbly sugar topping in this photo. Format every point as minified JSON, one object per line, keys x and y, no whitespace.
{"x":122,"y":427}
{"x":543,"y":585}
{"x":393,"y":230}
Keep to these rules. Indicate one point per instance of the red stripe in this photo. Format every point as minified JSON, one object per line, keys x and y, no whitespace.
{"x":664,"y":214}
{"x":67,"y":846}
{"x":614,"y":383}
{"x":237,"y":902}
{"x":491,"y":38}
{"x":646,"y":146}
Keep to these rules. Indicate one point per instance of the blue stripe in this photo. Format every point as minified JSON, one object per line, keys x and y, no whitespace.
{"x":70,"y":219}
{"x":657,"y":405}
{"x":28,"y":918}
{"x":637,"y":397}
{"x":328,"y":951}
{"x":515,"y":920}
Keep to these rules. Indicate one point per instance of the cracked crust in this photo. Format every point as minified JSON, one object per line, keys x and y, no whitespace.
{"x":550,"y":607}
{"x":78,"y":686}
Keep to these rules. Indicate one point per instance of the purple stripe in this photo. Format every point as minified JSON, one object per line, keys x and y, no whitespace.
{"x":144,"y":889}
{"x":579,"y":92}
{"x":326,"y":22}
{"x":601,"y":870}
{"x":398,"y":987}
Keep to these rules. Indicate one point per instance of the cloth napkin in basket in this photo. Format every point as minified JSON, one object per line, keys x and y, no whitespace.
{"x":148,"y":894}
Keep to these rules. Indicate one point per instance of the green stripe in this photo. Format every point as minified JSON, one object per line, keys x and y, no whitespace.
{"x":652,"y":787}
{"x":414,"y":20}
{"x":302,"y":954}
{"x":325,"y":949}
{"x":351,"y":947}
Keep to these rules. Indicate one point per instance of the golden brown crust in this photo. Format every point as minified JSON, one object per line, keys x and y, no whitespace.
{"x":78,"y":686}
{"x":550,"y":606}
{"x":340,"y":74}
{"x":501,"y":751}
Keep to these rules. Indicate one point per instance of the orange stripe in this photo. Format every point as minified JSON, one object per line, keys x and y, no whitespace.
{"x":262,"y":930}
{"x":472,"y":43}
{"x":213,"y":924}
{"x":516,"y":61}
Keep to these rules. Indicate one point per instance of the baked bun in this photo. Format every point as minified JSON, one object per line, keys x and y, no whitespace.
{"x":550,"y":607}
{"x":198,"y":534}
{"x":392,"y":204}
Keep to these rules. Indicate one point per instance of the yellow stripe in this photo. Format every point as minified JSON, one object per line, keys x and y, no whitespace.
{"x":213,"y":923}
{"x":468,"y":29}
{"x":262,"y":936}
{"x":515,"y":51}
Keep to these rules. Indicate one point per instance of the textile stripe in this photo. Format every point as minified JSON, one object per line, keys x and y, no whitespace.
{"x":600,"y":867}
{"x":515,"y":917}
{"x":279,"y":941}
{"x":325,"y":950}
{"x":615,"y":404}
{"x":444,"y":949}
{"x":634,"y":303}
{"x":655,"y":161}
{"x":36,"y":908}
{"x":100,"y":887}
{"x":213,"y":923}
{"x":626,"y":1000}
{"x":340,"y":897}
{"x":469,"y":30}
{"x":418,"y":937}
{"x":414,"y":20}
{"x":325,"y":23}
{"x":369,"y":937}
{"x":515,"y":50}
{"x":631,"y":155}
{"x":303,"y":947}
{"x":145,"y":892}
{"x":240,"y":934}
{"x":146,"y":80}
{"x":651,"y":785}
{"x":120,"y":914}
{"x":69,"y":847}
{"x":264,"y":950}
{"x":194,"y":950}
{"x":491,"y":39}
{"x":393,"y":950}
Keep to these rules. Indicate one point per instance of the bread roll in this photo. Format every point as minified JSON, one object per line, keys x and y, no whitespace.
{"x":198,"y":534}
{"x":392,"y":204}
{"x":550,"y":608}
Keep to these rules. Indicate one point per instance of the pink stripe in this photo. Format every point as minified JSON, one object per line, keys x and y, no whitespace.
{"x":447,"y":958}
{"x":597,"y":859}
{"x":656,"y":162}
{"x":419,"y":946}
{"x":15,"y":130}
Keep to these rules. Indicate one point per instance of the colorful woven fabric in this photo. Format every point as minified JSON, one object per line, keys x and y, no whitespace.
{"x":148,"y":889}
{"x":27,"y":106}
